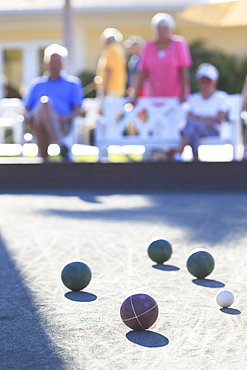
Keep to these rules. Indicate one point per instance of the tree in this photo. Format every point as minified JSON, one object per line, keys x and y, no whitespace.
{"x":232,"y":69}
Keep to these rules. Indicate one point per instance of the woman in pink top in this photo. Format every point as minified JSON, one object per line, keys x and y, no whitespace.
{"x":165,"y":61}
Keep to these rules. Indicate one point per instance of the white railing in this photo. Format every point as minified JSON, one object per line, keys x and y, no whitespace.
{"x":154,"y":123}
{"x":11,"y":117}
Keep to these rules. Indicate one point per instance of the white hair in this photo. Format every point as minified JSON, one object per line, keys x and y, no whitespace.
{"x":111,"y":34}
{"x":163,"y":18}
{"x":55,"y":49}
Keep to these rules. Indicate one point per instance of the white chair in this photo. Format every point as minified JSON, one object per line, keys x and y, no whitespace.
{"x":231,"y":130}
{"x":11,"y":116}
{"x":81,"y":126}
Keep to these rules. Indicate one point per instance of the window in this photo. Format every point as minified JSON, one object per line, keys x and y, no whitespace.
{"x":12,"y":73}
{"x":41,"y":62}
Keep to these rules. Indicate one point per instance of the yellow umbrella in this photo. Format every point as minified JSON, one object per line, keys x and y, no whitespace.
{"x":222,"y":14}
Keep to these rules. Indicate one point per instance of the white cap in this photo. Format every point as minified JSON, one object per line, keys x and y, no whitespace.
{"x":55,"y":49}
{"x":207,"y":70}
{"x":111,"y":34}
{"x":133,"y":40}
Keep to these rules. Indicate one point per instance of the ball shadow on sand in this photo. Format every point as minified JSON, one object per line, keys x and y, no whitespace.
{"x":147,"y":338}
{"x":80,"y":296}
{"x":230,"y":311}
{"x":166,"y":267}
{"x":208,"y":283}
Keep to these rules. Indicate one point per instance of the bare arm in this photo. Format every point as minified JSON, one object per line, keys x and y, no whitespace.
{"x":138,"y":81}
{"x":209,"y":120}
{"x":106,"y":79}
{"x":101,"y":84}
{"x":77,"y":111}
{"x":184,"y":78}
{"x":29,"y":117}
{"x":244,"y":95}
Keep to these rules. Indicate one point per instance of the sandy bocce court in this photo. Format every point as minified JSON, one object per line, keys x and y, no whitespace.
{"x":44,"y":325}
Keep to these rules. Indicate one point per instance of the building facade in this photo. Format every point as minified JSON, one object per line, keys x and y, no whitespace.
{"x":28,"y":26}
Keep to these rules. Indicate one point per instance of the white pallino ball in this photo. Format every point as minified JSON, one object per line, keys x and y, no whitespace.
{"x":225,"y":298}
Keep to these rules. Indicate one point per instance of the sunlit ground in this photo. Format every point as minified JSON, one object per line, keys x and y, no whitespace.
{"x":214,"y":153}
{"x":116,"y":153}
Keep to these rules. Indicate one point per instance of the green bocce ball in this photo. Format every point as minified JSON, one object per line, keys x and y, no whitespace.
{"x":200,"y":263}
{"x":159,"y":250}
{"x":76,"y":275}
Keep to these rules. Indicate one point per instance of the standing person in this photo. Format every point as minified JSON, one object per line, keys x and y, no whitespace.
{"x":133,"y":45}
{"x":52,"y":101}
{"x":111,"y":69}
{"x":244,"y":116}
{"x":207,"y":110}
{"x":165,"y":61}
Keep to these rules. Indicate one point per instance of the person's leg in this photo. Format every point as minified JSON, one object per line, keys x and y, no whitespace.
{"x":47,"y":126}
{"x":188,"y":137}
{"x":54,"y":127}
{"x":194,"y":143}
{"x":183,"y":143}
{"x":245,"y":144}
{"x":201,"y":129}
{"x":42,"y":141}
{"x":49,"y":120}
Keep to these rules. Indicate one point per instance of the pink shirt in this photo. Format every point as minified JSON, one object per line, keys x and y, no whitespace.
{"x":163,"y":67}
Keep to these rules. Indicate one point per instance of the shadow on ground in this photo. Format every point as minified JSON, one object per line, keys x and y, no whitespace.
{"x":208,"y":283}
{"x":80,"y":296}
{"x":24,"y":343}
{"x":147,"y":338}
{"x":166,"y":267}
{"x":230,"y":311}
{"x":210,"y":218}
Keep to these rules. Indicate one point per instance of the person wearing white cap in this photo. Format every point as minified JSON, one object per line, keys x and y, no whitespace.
{"x":133,"y":45}
{"x":111,"y":69}
{"x":207,"y":109}
{"x":164,"y":63}
{"x":244,"y":116}
{"x":207,"y":70}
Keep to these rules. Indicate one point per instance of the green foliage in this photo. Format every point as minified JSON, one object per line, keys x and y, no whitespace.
{"x":232,"y":69}
{"x":87,"y":79}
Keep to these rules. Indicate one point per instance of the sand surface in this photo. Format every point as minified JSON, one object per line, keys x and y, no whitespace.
{"x":44,"y":326}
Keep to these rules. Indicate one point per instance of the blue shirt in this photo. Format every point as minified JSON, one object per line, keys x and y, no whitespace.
{"x":64,"y":93}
